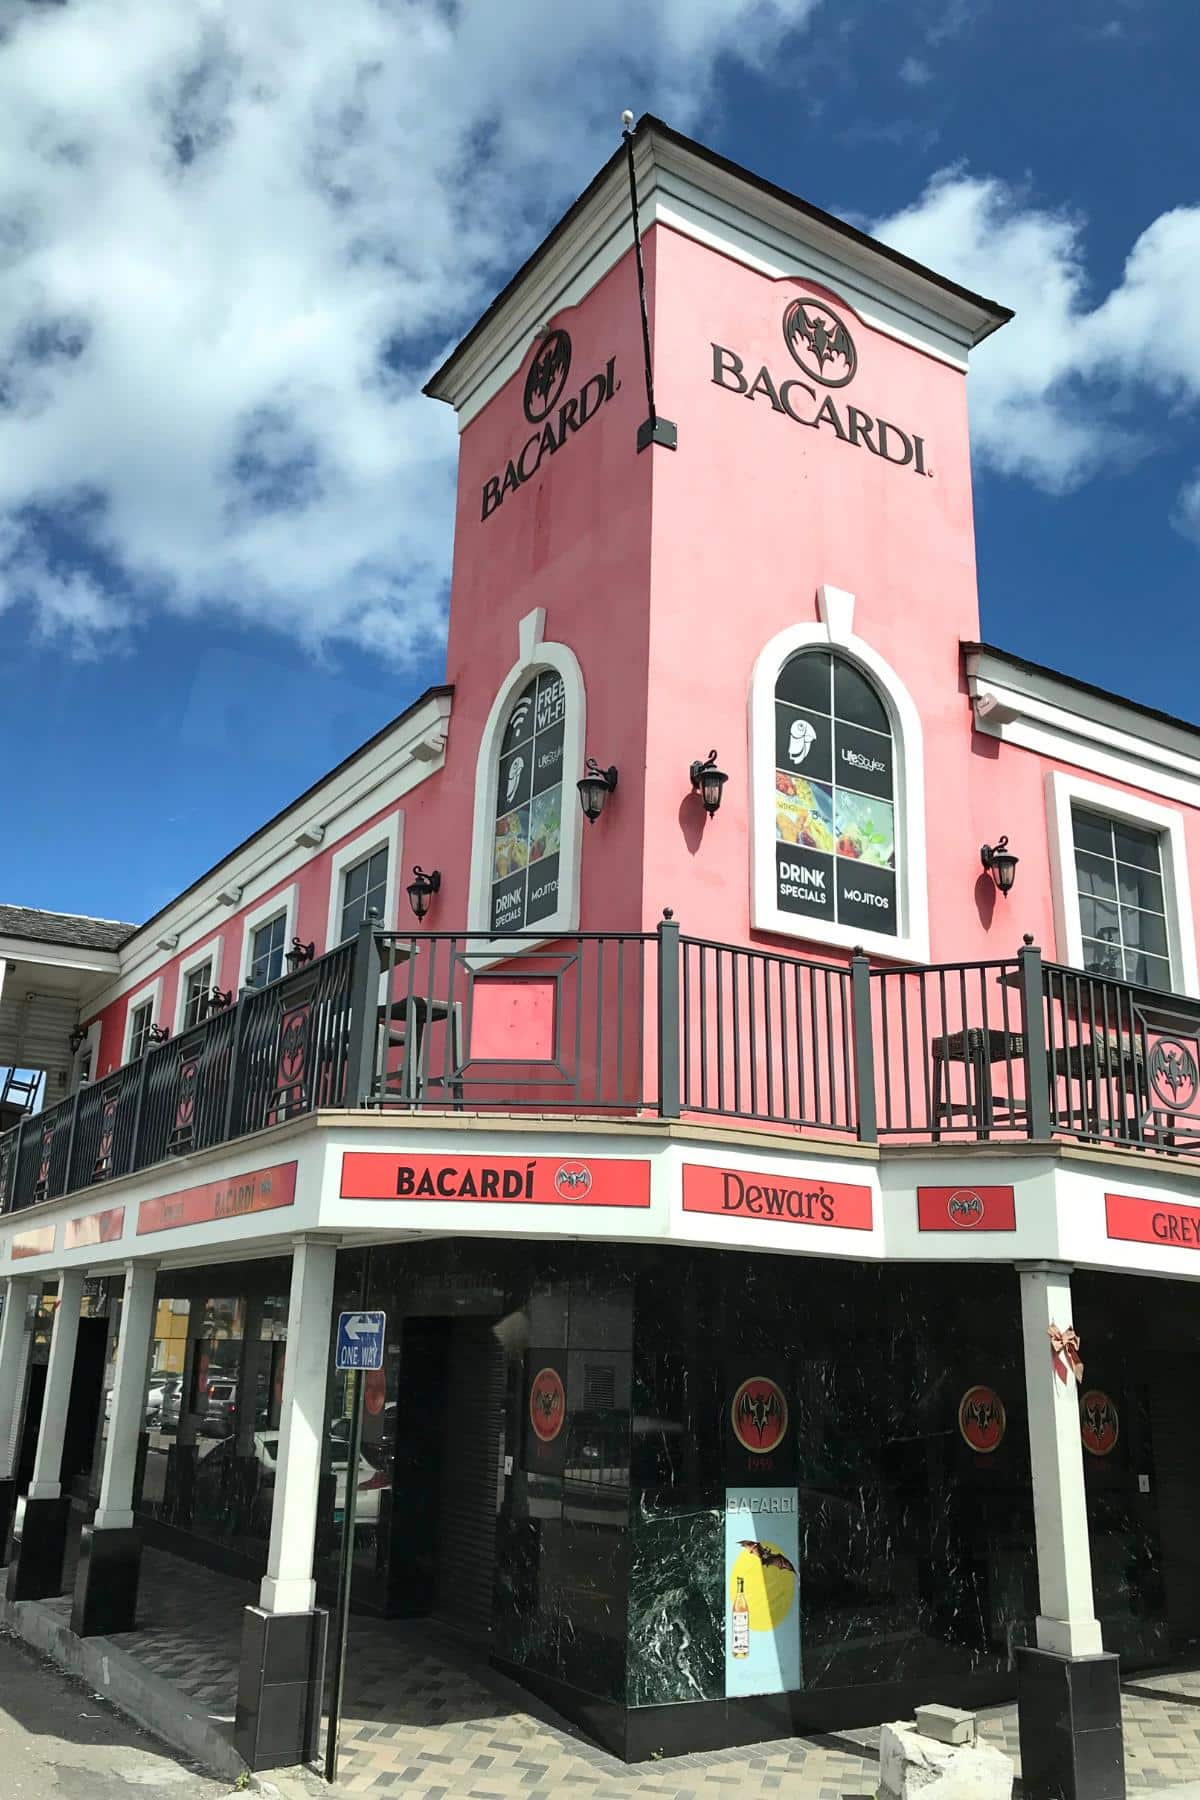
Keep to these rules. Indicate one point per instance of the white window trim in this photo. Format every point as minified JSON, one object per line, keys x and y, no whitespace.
{"x":152,"y":992}
{"x":1063,"y":791}
{"x":281,"y":904}
{"x":384,"y":836}
{"x":194,"y":960}
{"x":534,"y":653}
{"x":834,"y":632}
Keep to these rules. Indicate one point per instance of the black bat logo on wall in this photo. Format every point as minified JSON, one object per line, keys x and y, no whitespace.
{"x":981,"y":1413}
{"x":293,"y":1041}
{"x":816,"y":336}
{"x":1099,"y":1418}
{"x":547,"y":375}
{"x":759,"y":1410}
{"x":769,"y":1558}
{"x":548,"y":1401}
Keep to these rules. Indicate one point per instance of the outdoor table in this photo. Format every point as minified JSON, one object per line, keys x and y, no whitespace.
{"x":977,"y":1049}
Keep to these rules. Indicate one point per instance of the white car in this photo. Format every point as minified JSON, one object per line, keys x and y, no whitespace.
{"x":371,"y":1482}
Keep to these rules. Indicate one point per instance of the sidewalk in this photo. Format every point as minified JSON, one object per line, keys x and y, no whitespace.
{"x":427,"y":1718}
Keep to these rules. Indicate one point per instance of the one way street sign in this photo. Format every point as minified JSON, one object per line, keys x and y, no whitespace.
{"x":360,"y":1337}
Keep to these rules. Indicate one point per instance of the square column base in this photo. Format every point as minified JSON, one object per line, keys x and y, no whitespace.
{"x":8,"y":1507}
{"x":35,"y":1569}
{"x":1069,"y":1707}
{"x":106,"y":1582}
{"x":280,"y":1683}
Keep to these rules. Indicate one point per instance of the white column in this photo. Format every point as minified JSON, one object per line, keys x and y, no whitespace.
{"x":288,"y":1586}
{"x":14,"y":1348}
{"x":115,"y":1511}
{"x":47,"y":1464}
{"x":1066,"y":1620}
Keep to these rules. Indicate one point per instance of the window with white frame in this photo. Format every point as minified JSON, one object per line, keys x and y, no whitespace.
{"x":838,"y":807}
{"x":364,"y":887}
{"x":1122,"y":898}
{"x":266,"y":951}
{"x":197,"y":983}
{"x":141,"y":1019}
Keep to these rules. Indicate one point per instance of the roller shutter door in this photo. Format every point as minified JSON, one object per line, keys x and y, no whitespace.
{"x":469,"y":1482}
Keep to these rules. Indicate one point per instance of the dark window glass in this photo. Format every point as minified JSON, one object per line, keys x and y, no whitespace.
{"x":835,"y":815}
{"x":1117,"y":862}
{"x":139,"y":1030}
{"x":364,"y":887}
{"x":266,"y":951}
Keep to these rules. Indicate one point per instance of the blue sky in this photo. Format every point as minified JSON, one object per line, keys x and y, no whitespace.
{"x":224,"y":507}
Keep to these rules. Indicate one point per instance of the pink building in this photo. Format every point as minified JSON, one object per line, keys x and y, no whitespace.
{"x":728,"y":1142}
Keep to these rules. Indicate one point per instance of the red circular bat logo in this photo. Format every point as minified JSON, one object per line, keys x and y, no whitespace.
{"x":572,"y":1179}
{"x":1099,"y":1424}
{"x":759,"y":1415}
{"x":964,"y":1208}
{"x":547,"y":1404}
{"x":981,"y":1419}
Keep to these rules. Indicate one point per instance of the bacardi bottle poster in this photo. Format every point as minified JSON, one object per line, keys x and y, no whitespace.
{"x":762,"y":1590}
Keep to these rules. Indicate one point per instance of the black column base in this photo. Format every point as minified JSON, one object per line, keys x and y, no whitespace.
{"x":35,"y":1569}
{"x":8,"y":1507}
{"x":1069,"y":1708}
{"x":280,"y":1683}
{"x":106,"y":1582}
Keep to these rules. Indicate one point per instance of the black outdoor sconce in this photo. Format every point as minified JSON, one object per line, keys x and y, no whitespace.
{"x":422,"y":888}
{"x":708,"y":781}
{"x":76,"y":1039}
{"x":299,"y":954}
{"x":219,"y":999}
{"x":157,"y":1034}
{"x":1000,"y":864}
{"x":594,"y":789}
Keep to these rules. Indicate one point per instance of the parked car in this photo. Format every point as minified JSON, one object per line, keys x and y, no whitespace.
{"x":214,"y":1477}
{"x":162,"y":1401}
{"x":219,"y":1410}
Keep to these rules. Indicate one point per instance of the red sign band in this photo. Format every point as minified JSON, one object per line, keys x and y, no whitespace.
{"x":507,"y":1180}
{"x":792,"y":1199}
{"x":966,"y":1209}
{"x":94,"y":1228}
{"x":1139,"y":1221}
{"x":260,"y":1191}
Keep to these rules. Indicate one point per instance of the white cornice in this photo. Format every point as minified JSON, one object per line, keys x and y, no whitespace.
{"x":724,"y":211}
{"x":1038,"y":711}
{"x":59,"y":956}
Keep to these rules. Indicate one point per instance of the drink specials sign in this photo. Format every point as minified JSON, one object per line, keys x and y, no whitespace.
{"x":792,"y":1199}
{"x":529,"y":1181}
{"x":1139,"y":1221}
{"x":527,"y":839}
{"x":260,"y":1191}
{"x":966,"y":1209}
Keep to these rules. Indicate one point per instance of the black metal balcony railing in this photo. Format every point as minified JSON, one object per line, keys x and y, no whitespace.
{"x":634,"y":1023}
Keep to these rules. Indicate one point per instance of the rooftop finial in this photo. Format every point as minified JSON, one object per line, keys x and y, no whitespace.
{"x":627,"y":120}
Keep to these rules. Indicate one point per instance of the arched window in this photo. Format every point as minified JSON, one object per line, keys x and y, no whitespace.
{"x":839,"y":831}
{"x":835,"y":795}
{"x":526,"y":841}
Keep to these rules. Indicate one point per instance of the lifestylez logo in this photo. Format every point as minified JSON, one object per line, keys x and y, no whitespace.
{"x":1099,"y":1426}
{"x":819,"y":342}
{"x":547,"y":1405}
{"x":544,"y":386}
{"x":759,"y":1415}
{"x":981,"y":1419}
{"x":572,"y":1179}
{"x":964,"y":1208}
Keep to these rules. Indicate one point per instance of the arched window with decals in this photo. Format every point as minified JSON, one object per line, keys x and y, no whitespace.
{"x":526,"y":842}
{"x":839,"y":807}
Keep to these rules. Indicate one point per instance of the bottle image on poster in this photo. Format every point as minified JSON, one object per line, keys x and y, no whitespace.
{"x":762,"y":1587}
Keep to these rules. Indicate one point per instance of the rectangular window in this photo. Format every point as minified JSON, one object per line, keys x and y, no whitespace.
{"x":364,"y":886}
{"x":139,"y":1028}
{"x":1122,"y":899}
{"x":266,"y":952}
{"x":195,"y":1004}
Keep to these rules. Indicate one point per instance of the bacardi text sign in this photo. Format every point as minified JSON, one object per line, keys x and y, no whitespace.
{"x":527,"y":1180}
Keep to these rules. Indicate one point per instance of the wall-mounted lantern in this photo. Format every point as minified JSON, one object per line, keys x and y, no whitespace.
{"x":299,"y":954}
{"x":1000,"y":863}
{"x":594,"y":789}
{"x":422,"y":888}
{"x":76,"y":1040}
{"x":708,"y":781}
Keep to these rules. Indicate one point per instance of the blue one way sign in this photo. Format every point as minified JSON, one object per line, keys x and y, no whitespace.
{"x":360,"y":1337}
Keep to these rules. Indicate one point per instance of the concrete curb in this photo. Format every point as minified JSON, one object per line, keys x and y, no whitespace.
{"x":128,"y":1684}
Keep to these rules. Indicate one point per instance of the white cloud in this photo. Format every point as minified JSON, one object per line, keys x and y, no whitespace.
{"x":1061,"y":389}
{"x":914,"y":72}
{"x":235,"y":235}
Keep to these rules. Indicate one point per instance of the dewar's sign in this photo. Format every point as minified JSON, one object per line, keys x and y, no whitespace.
{"x":819,"y":343}
{"x":544,"y":387}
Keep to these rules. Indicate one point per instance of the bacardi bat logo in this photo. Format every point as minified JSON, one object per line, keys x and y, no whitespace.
{"x":547,"y":375}
{"x":819,"y":342}
{"x":293,"y":1045}
{"x":572,"y":1179}
{"x":759,"y":1415}
{"x":1173,"y":1074}
{"x":547,"y":1404}
{"x":1099,"y":1426}
{"x":965,"y":1208}
{"x":185,"y":1104}
{"x":981,"y":1419}
{"x":768,"y":1555}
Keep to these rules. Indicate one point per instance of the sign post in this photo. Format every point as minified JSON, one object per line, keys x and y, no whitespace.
{"x":360,"y":1342}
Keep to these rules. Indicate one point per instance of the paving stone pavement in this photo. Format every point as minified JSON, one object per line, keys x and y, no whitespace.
{"x":428,"y":1719}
